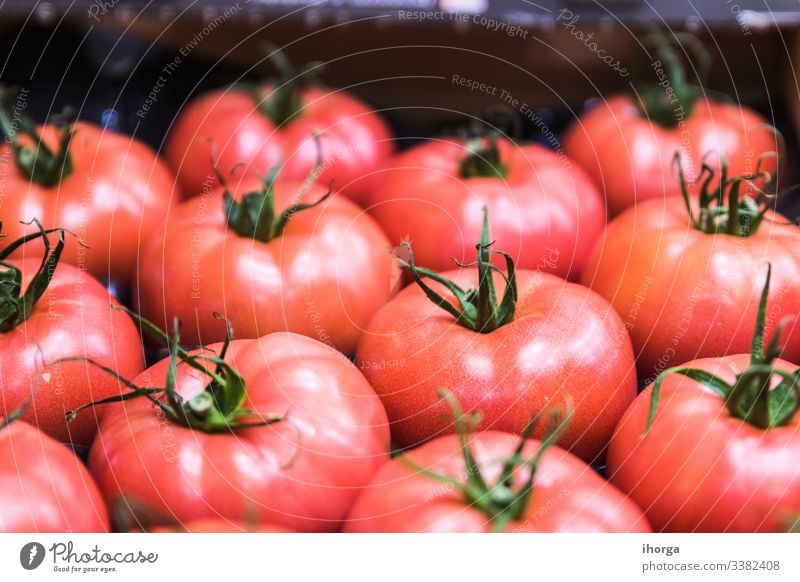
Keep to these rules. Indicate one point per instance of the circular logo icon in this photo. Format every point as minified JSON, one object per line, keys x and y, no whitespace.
{"x":31,"y":555}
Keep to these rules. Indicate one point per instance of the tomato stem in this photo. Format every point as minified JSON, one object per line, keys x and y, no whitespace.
{"x":670,"y":101}
{"x":479,"y":308}
{"x":285,"y":103}
{"x":217,"y":408}
{"x":483,"y":159}
{"x":722,"y":208}
{"x":16,"y":306}
{"x":15,"y":414}
{"x":36,"y":160}
{"x":503,"y":501}
{"x":750,"y":398}
{"x":255,"y":215}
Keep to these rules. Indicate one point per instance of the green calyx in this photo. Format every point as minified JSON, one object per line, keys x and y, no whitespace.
{"x":218,"y":408}
{"x":36,"y":160}
{"x":482,"y":160}
{"x":479,"y":309}
{"x":16,"y":306}
{"x":670,"y":99}
{"x":285,"y":103}
{"x":750,"y":398}
{"x":255,"y":215}
{"x":722,"y":207}
{"x":503,"y":501}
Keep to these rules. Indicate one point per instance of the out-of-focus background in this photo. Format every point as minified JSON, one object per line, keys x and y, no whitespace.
{"x":405,"y":57}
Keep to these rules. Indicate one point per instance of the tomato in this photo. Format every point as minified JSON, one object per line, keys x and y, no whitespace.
{"x":684,"y":282}
{"x":510,"y":357}
{"x":107,"y":188}
{"x":719,"y":453}
{"x":44,"y":487}
{"x":250,"y":130}
{"x":629,"y":156}
{"x":491,"y":481}
{"x":268,"y":265}
{"x":545,"y":210}
{"x":627,"y":142}
{"x":283,"y":431}
{"x":72,"y":316}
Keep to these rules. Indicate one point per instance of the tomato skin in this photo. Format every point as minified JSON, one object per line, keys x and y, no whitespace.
{"x":216,"y":525}
{"x":412,"y":348}
{"x":302,"y":473}
{"x":568,"y":495}
{"x":699,"y":468}
{"x":324,"y":277}
{"x":111,"y":200}
{"x":631,"y":158}
{"x":44,"y":487}
{"x":72,"y":319}
{"x":684,"y":294}
{"x":227,"y":123}
{"x":546,"y":212}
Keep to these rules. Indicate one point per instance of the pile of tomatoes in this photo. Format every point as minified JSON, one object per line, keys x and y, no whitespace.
{"x":321,"y":333}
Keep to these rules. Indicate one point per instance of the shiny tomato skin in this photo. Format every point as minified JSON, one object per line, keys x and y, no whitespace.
{"x":684,"y":294}
{"x":631,"y":158}
{"x":324,"y":277}
{"x":227,"y":124}
{"x":44,"y":487}
{"x":302,"y":473}
{"x":568,"y":495}
{"x":111,"y":200}
{"x":546,"y":212}
{"x":412,"y":348}
{"x":73,"y":319}
{"x":699,"y":468}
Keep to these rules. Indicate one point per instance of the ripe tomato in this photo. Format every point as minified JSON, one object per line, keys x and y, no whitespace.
{"x":546,"y":212}
{"x":510,"y":357}
{"x":629,"y":155}
{"x":55,"y":312}
{"x":107,"y":188}
{"x":720,"y":452}
{"x":282,"y":431}
{"x":491,"y":481}
{"x":212,"y":525}
{"x":251,"y":130}
{"x":43,"y":486}
{"x":683,"y":282}
{"x":323,"y":276}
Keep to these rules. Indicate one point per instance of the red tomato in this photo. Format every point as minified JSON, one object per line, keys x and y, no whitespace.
{"x":111,"y":195}
{"x":73,"y":318}
{"x":302,"y":472}
{"x":545,"y":210}
{"x":516,"y":363}
{"x":629,"y":156}
{"x":699,"y":468}
{"x":251,"y":137}
{"x":568,"y":496}
{"x":684,"y":292}
{"x":324,"y":276}
{"x":44,"y":487}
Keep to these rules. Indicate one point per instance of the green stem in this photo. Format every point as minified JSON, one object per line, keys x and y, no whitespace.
{"x":503,"y":501}
{"x":483,"y":160}
{"x":750,"y":398}
{"x":478,"y":308}
{"x":722,"y":207}
{"x":17,"y":306}
{"x":36,"y":160}
{"x":217,"y":408}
